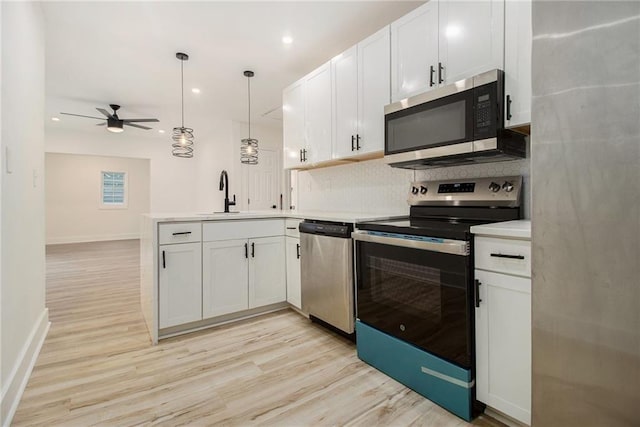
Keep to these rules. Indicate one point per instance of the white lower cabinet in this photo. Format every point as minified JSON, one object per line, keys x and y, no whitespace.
{"x":503,"y":326}
{"x":179,"y":284}
{"x":267,"y":278}
{"x":225,"y":276}
{"x":240,"y":274}
{"x":293,"y":271}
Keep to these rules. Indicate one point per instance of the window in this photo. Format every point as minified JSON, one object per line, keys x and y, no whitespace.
{"x":113,"y":193}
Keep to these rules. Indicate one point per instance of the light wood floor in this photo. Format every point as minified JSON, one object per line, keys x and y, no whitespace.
{"x":97,"y":365}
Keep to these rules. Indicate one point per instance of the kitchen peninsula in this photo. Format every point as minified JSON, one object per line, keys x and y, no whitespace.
{"x":201,"y":270}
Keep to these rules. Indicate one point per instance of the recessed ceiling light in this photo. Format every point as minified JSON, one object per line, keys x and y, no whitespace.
{"x":160,"y":131}
{"x":55,"y":119}
{"x":287,"y":40}
{"x":195,"y":90}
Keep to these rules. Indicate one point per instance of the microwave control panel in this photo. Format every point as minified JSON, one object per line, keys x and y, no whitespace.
{"x":486,"y":112}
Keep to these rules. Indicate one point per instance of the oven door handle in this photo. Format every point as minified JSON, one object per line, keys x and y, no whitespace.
{"x":455,"y":247}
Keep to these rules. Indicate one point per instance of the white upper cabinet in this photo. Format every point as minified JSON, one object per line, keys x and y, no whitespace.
{"x":471,"y":38}
{"x":444,"y":41}
{"x":517,"y":63}
{"x":361,"y":89}
{"x":345,"y":102}
{"x":414,"y":51}
{"x":374,"y":91}
{"x":318,"y":115}
{"x":293,"y":124}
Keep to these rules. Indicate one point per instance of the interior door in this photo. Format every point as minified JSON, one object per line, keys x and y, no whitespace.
{"x":264,"y":181}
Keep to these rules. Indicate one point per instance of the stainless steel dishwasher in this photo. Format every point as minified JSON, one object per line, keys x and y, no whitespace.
{"x":326,"y":252}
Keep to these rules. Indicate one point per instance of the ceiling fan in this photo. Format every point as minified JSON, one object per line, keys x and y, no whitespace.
{"x":113,"y":122}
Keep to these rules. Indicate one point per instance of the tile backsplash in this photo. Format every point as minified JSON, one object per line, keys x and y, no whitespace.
{"x":374,"y":187}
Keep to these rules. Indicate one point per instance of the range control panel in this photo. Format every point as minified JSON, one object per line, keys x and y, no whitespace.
{"x":495,"y":191}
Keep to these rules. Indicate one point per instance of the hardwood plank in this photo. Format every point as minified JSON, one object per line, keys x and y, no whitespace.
{"x":97,"y":366}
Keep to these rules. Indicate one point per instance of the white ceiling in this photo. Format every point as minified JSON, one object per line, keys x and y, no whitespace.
{"x":99,"y":53}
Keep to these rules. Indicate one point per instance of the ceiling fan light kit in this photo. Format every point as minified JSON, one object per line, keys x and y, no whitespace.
{"x":114,"y":126}
{"x":182,"y":137}
{"x":249,"y":146}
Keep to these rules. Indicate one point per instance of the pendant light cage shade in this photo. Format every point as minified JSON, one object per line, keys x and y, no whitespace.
{"x":182,"y":137}
{"x":183,"y":142}
{"x":249,"y":151}
{"x":249,"y":146}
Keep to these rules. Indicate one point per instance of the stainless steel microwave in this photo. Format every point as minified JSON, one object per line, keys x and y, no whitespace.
{"x":455,"y":124}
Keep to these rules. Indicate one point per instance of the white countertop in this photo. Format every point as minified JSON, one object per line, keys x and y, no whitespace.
{"x":520,"y":229}
{"x":319,"y":215}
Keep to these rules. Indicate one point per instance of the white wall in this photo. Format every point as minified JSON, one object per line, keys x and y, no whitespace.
{"x":176,"y":185}
{"x":73,"y":188}
{"x":373,"y":187}
{"x":24,"y":316}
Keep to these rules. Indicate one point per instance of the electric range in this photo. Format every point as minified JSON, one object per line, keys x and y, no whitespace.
{"x":415,"y":288}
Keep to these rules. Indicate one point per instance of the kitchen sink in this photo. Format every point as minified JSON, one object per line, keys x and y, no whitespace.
{"x":219,"y":213}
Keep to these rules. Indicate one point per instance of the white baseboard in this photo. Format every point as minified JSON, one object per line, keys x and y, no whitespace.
{"x":19,"y":377}
{"x":95,"y":238}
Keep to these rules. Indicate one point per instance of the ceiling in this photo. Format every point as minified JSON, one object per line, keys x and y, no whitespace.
{"x":99,"y":53}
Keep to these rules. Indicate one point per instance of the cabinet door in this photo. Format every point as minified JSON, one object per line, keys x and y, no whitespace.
{"x":374,"y":90}
{"x":293,"y":122}
{"x":414,"y":49}
{"x":293,"y":272}
{"x":517,"y":62}
{"x":318,"y":114}
{"x":345,"y":102}
{"x":224,"y":277}
{"x":180,"y":284}
{"x":471,"y":38}
{"x":503,"y":344}
{"x":267,"y":277}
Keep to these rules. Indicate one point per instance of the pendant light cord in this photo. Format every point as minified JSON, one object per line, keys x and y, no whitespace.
{"x":249,"y":92}
{"x":182,"y":87}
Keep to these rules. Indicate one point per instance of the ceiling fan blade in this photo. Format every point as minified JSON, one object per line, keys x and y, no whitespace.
{"x":80,"y":115}
{"x":102,"y":124}
{"x":103,"y":111}
{"x":140,"y":120}
{"x":136,"y":126}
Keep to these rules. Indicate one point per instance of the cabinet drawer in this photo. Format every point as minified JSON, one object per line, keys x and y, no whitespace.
{"x":503,"y":255}
{"x":180,"y":232}
{"x":228,"y":230}
{"x":291,"y":227}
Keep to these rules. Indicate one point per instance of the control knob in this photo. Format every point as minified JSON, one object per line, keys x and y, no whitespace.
{"x":414,"y":190}
{"x":423,"y":189}
{"x":494,"y":187}
{"x":507,"y":186}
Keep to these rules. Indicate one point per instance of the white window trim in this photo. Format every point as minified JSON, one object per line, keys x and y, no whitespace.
{"x":125,"y":204}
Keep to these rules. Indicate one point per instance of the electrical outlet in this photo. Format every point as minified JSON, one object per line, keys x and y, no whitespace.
{"x":8,"y":166}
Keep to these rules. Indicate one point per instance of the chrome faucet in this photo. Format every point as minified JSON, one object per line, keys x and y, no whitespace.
{"x":224,"y":185}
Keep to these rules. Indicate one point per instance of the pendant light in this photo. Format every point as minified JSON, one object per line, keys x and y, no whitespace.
{"x":249,"y":146}
{"x":182,"y":136}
